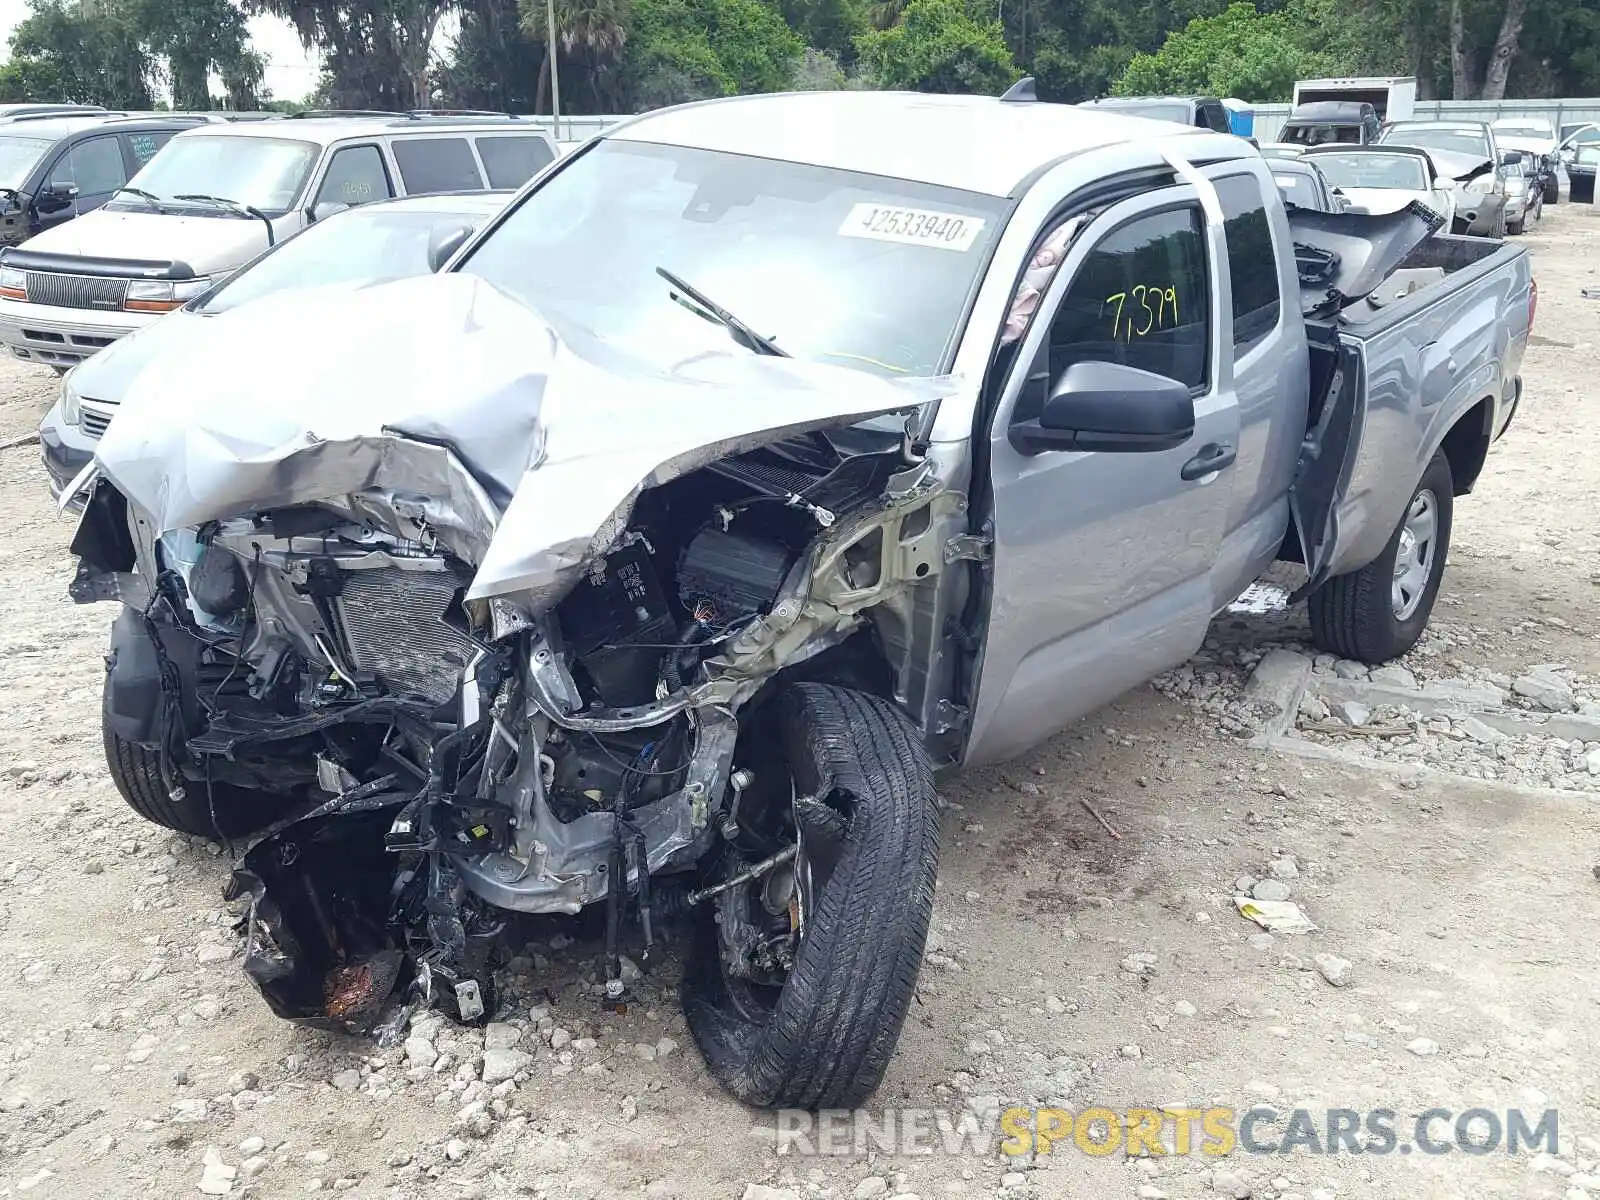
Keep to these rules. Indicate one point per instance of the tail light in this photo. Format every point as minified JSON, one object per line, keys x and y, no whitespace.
{"x":1533,"y":301}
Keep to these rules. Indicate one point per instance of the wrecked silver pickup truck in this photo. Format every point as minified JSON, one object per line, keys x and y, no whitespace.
{"x":763,"y":457}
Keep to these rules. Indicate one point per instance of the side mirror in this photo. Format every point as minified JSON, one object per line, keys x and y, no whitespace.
{"x":54,"y":197}
{"x":324,"y":209}
{"x":1111,"y":408}
{"x":443,"y":245}
{"x":1510,"y":157}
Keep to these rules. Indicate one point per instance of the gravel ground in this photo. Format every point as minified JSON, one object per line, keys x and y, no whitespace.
{"x":1444,"y":850}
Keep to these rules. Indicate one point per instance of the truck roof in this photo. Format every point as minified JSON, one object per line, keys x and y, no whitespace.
{"x":1325,"y":111}
{"x":326,"y":130}
{"x":973,"y":143}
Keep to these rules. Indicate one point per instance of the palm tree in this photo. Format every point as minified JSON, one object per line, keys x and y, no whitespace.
{"x":593,"y":30}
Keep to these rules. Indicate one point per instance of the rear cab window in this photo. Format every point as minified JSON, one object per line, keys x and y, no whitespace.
{"x":511,"y":160}
{"x":1252,"y":261}
{"x":436,"y":164}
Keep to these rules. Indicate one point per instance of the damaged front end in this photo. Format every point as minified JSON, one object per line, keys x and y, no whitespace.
{"x":464,"y":710}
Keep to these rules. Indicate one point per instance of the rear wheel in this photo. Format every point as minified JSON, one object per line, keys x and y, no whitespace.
{"x":154,"y":790}
{"x":1378,"y":613}
{"x":810,"y":1017}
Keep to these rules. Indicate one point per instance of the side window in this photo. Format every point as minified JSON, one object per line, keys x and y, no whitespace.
{"x":1142,"y":299}
{"x":356,"y":175}
{"x":443,"y":164}
{"x":1217,"y":116}
{"x":512,"y":161}
{"x":143,"y":146}
{"x":95,"y":166}
{"x":1252,"y":262}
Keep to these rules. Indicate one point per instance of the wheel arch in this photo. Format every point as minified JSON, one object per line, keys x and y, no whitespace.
{"x":1466,"y":444}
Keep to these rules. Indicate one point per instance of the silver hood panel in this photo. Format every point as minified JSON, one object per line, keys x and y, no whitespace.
{"x":445,"y":399}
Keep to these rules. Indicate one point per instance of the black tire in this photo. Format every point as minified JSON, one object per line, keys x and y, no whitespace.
{"x":159,"y":795}
{"x":1353,"y":615}
{"x":1517,"y":227}
{"x":824,"y":1038}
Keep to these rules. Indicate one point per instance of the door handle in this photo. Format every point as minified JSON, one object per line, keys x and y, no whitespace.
{"x":1212,"y":458}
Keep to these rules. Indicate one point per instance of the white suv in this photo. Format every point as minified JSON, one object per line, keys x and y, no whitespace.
{"x":214,"y":197}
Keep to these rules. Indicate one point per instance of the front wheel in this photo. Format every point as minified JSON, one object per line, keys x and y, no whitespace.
{"x":1378,"y":613}
{"x":808,"y":1016}
{"x":146,"y":779}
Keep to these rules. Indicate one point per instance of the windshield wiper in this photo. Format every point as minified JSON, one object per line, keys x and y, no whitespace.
{"x":149,"y":198}
{"x":243,"y":210}
{"x":706,"y":308}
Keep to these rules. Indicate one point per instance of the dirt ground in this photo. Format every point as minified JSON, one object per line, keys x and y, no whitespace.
{"x":1068,"y":967}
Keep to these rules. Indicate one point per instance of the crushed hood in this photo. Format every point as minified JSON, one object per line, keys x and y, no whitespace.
{"x":209,"y":244}
{"x":523,"y":449}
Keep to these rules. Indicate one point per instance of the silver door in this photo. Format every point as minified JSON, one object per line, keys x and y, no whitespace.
{"x":1102,"y":560}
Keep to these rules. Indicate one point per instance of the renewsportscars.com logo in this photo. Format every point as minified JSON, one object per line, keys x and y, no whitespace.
{"x":1137,"y":1132}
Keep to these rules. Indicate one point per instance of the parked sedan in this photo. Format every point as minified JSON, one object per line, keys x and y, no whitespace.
{"x":1384,"y":179}
{"x":1303,"y":186}
{"x":373,"y":243}
{"x":1524,"y":193}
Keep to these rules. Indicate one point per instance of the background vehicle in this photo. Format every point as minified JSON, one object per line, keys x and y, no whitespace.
{"x":1302,"y":185}
{"x":1581,"y":172}
{"x":12,"y":112}
{"x":216,"y":196}
{"x":1202,"y":112}
{"x":1524,"y":192}
{"x":1393,"y":98}
{"x":1534,"y":138}
{"x":373,"y":243}
{"x":55,"y":168}
{"x":701,"y":647}
{"x":1465,"y":152}
{"x":1325,"y":122}
{"x":1384,"y":179}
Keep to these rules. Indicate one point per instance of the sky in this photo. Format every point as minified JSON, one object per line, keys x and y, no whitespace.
{"x":291,"y":72}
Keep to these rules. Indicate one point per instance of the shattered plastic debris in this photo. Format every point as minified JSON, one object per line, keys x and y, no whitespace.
{"x":1275,"y":916}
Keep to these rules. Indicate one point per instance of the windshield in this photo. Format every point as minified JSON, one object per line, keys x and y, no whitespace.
{"x":1322,"y":135}
{"x":1373,"y":171}
{"x":859,"y":270}
{"x":1151,"y":112}
{"x":17,"y":157}
{"x":360,"y":246}
{"x":1452,"y":141}
{"x":1299,"y":190}
{"x":265,"y":173}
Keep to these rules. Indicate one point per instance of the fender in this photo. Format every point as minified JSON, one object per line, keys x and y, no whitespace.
{"x":135,"y":707}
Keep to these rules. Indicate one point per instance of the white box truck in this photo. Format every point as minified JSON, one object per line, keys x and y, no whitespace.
{"x":1394,"y":98}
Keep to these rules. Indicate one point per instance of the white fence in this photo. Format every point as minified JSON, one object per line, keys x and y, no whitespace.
{"x":1270,"y":117}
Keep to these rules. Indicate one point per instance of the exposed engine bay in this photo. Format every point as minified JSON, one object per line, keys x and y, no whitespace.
{"x":443,"y":763}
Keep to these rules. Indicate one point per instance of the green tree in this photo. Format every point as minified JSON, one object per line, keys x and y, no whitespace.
{"x":592,"y":33}
{"x":376,"y":52}
{"x":937,"y":46}
{"x":493,"y":62}
{"x":62,"y":53}
{"x":1240,"y":52}
{"x":693,"y":49}
{"x":198,"y":38}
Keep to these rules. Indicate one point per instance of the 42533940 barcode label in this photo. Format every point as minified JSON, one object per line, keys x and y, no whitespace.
{"x":912,"y":226}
